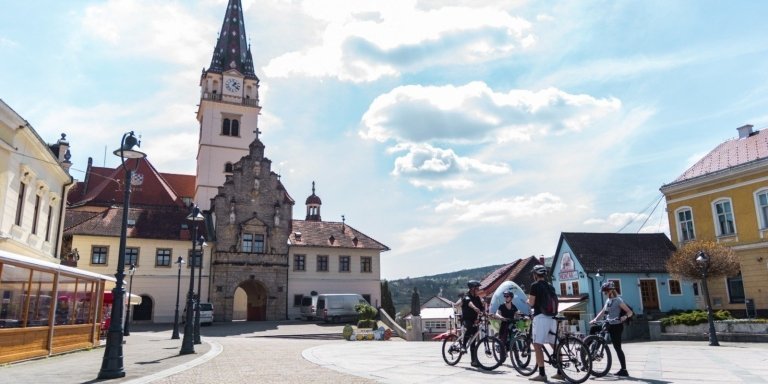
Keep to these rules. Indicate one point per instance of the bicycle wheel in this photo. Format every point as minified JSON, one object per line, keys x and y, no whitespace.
{"x":600,"y":355}
{"x":452,"y":350}
{"x":490,"y":352}
{"x":520,"y":355}
{"x":573,"y":360}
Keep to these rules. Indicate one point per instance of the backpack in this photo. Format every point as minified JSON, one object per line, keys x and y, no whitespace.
{"x":549,"y":306}
{"x":629,"y":319}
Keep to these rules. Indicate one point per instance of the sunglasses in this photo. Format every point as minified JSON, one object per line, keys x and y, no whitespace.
{"x":507,"y":295}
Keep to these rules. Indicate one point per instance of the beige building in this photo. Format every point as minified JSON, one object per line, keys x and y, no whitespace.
{"x":331,"y":257}
{"x":724,"y":197}
{"x":157,"y":234}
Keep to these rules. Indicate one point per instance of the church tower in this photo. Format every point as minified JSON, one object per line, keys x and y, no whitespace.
{"x":229,"y":107}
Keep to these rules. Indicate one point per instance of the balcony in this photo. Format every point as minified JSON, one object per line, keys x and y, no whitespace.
{"x":230,"y":99}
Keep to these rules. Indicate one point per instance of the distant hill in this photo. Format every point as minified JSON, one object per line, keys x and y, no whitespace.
{"x":452,"y":284}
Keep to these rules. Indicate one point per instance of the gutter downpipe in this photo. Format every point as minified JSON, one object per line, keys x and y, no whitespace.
{"x":592,"y":293}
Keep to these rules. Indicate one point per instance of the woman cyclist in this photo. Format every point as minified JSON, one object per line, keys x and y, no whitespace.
{"x":506,"y":313}
{"x":612,"y":310}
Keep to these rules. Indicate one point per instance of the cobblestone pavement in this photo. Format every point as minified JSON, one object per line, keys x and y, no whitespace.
{"x":296,"y":352}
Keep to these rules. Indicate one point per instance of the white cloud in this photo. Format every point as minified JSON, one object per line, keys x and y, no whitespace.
{"x":161,"y":31}
{"x":366,"y":40}
{"x":502,"y":210}
{"x":616,"y":221}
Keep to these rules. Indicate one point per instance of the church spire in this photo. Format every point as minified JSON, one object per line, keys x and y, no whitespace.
{"x":313,"y":206}
{"x":231,"y":50}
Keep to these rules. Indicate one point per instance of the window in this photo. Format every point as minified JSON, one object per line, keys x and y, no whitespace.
{"x":322,"y":263}
{"x":297,"y":300}
{"x":563,"y":289}
{"x":99,"y":254}
{"x":36,"y":214}
{"x":674,"y":287}
{"x":735,"y":289}
{"x":367,"y":298}
{"x":434,"y":325}
{"x":366,"y":264}
{"x":131,"y":256}
{"x":343,"y":263}
{"x":196,"y":260}
{"x":575,"y":287}
{"x":685,"y":225}
{"x":163,"y":257}
{"x":247,"y":242}
{"x":230,"y":127}
{"x":228,"y":167}
{"x":299,"y":262}
{"x":695,"y":289}
{"x":761,"y":200}
{"x":258,"y":243}
{"x":724,"y":218}
{"x":617,"y":285}
{"x":48,"y":223}
{"x":225,"y":127}
{"x":235,"y":128}
{"x":20,"y":204}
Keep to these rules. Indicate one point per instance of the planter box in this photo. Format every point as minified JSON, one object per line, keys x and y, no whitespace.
{"x":720,"y":327}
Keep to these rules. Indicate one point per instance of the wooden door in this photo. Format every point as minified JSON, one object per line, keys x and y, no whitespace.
{"x":649,"y":295}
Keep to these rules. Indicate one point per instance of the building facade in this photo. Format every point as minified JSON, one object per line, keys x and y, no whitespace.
{"x":724,"y":198}
{"x":45,"y":307}
{"x":158,"y":234}
{"x":331,"y":257}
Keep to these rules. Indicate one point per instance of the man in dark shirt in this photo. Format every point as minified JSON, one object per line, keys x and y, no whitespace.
{"x":471,"y":308}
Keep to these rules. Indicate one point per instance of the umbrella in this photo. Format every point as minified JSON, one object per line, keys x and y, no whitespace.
{"x":520,"y":299}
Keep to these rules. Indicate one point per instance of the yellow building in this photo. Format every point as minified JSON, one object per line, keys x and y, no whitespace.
{"x":724,"y":197}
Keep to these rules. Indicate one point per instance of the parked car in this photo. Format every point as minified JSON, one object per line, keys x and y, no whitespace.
{"x":308,"y":307}
{"x":206,"y":313}
{"x":336,"y":307}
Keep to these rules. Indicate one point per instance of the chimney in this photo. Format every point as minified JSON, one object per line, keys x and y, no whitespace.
{"x":745,"y":131}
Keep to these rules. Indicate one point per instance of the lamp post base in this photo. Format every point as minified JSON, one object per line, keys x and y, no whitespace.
{"x":112,"y":363}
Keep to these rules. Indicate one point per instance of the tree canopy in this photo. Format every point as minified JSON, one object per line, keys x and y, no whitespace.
{"x":722,"y":260}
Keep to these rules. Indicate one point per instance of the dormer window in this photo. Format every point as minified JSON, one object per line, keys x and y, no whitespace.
{"x":297,"y":235}
{"x":228,"y":168}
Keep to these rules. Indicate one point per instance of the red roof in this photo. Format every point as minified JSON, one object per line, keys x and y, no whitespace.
{"x":732,"y":153}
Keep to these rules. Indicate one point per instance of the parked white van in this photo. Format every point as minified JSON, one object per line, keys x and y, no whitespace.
{"x":336,"y":307}
{"x":308,"y":307}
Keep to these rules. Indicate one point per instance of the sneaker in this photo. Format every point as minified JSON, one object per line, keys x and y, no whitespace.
{"x":475,"y":364}
{"x":541,"y":378}
{"x":622,"y":372}
{"x":463,"y":350}
{"x":557,"y":376}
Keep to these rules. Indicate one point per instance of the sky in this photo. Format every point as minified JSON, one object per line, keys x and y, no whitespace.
{"x":459,"y":133}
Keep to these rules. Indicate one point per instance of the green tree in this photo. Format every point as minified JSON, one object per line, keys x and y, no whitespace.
{"x":386,"y":299}
{"x":722,"y":260}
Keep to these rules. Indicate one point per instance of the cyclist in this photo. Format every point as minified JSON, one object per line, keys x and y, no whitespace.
{"x":471,"y":308}
{"x":612,"y":310}
{"x":506,"y":313}
{"x":544,"y":326}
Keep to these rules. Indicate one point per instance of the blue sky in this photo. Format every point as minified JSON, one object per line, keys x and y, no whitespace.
{"x":459,"y":133}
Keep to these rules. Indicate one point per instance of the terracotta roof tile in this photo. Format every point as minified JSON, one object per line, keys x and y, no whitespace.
{"x":319,"y":233}
{"x":518,"y":271}
{"x":149,"y":222}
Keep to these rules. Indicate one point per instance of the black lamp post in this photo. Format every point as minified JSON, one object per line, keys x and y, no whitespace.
{"x":187,"y":343}
{"x":201,"y":243}
{"x":703,"y":260}
{"x":112,"y":363}
{"x":175,"y":335}
{"x":126,"y":329}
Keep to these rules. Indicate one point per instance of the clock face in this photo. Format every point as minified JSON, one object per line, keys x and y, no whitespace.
{"x":232,"y":85}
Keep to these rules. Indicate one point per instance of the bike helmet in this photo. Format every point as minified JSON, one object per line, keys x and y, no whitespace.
{"x":473,"y":284}
{"x":540,"y":270}
{"x":607,"y":286}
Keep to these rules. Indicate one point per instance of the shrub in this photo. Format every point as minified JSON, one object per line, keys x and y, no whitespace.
{"x":694,"y":317}
{"x":367,"y":314}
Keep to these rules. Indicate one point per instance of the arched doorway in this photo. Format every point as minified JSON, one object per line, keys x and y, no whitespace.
{"x":143,"y":311}
{"x":250,"y":302}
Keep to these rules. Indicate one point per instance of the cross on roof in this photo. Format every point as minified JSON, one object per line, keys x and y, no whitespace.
{"x":257,"y":131}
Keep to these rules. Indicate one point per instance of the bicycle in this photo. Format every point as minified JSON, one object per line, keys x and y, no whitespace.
{"x":569,"y":356}
{"x":597,"y":345}
{"x":489,"y":349}
{"x":517,"y":343}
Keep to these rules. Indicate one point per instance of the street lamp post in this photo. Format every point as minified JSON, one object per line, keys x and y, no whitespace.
{"x":175,"y":335}
{"x":703,"y":260}
{"x":187,"y":343}
{"x":201,"y":243}
{"x":126,"y":329}
{"x":112,"y":362}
